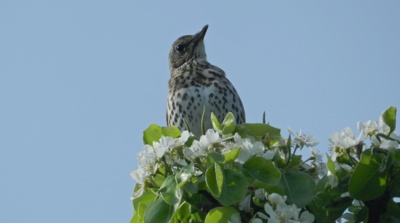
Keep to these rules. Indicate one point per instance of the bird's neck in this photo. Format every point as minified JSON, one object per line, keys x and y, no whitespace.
{"x":189,"y":66}
{"x":199,"y":62}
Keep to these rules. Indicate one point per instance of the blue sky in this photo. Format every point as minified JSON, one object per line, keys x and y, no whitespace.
{"x":81,"y":80}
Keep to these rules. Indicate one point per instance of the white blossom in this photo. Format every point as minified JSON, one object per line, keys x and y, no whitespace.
{"x":197,"y":149}
{"x":332,"y":179}
{"x":319,"y":163}
{"x":165,"y":144}
{"x":147,"y":159}
{"x":181,"y":162}
{"x":262,"y":215}
{"x":184,"y":137}
{"x":288,"y":212}
{"x":139,"y":192}
{"x":258,"y":148}
{"x":273,"y":217}
{"x":345,"y":194}
{"x":259,"y":193}
{"x":384,"y":143}
{"x":248,"y":150}
{"x":276,"y":198}
{"x":244,"y":205}
{"x":344,"y":139}
{"x":269,"y":154}
{"x":277,"y":146}
{"x":281,"y":142}
{"x":306,"y":217}
{"x":278,"y":211}
{"x":302,"y":140}
{"x":368,"y":128}
{"x":210,"y":138}
{"x":139,"y":175}
{"x":382,"y":126}
{"x":256,"y":220}
{"x":235,"y":218}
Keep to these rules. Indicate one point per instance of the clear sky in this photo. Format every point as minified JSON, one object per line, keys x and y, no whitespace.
{"x":80,"y":81}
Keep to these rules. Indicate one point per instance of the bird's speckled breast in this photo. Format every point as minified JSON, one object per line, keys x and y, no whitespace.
{"x":201,"y":86}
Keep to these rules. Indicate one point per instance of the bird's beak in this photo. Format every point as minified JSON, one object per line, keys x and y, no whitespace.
{"x":200,"y":35}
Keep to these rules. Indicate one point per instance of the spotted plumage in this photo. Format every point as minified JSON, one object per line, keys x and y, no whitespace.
{"x":195,"y":84}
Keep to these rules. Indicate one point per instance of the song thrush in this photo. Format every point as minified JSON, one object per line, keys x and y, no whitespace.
{"x":195,"y":84}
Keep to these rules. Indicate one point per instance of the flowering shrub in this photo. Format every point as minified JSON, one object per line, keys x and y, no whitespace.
{"x":250,"y":173}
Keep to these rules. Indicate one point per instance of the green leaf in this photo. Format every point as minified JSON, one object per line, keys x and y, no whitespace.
{"x":214,"y":176}
{"x":182,"y":214}
{"x":170,"y":191}
{"x":215,"y":123}
{"x":154,"y":132}
{"x":321,"y":184}
{"x":232,"y":155}
{"x":361,"y":214}
{"x":396,"y":158}
{"x":389,"y":117}
{"x":392,"y":214}
{"x":216,"y":157}
{"x":229,"y":124}
{"x":321,"y":199}
{"x":390,"y":158}
{"x":260,"y":130}
{"x":158,"y":179}
{"x":135,"y":219}
{"x":330,"y":165}
{"x":227,"y":186}
{"x":223,"y":215}
{"x":140,"y":205}
{"x":263,"y":170}
{"x":172,"y":131}
{"x":299,"y":187}
{"x":184,"y":175}
{"x":199,"y":201}
{"x":338,"y":207}
{"x":234,"y":188}
{"x":295,"y":160}
{"x":367,"y":182}
{"x":395,"y":172}
{"x":139,"y":215}
{"x":158,"y":211}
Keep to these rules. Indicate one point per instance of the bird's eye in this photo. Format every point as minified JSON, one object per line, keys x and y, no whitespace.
{"x":179,"y":48}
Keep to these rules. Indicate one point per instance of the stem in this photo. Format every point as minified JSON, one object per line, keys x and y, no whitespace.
{"x":295,"y":148}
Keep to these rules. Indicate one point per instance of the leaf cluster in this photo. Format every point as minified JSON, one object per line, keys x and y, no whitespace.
{"x":221,"y":186}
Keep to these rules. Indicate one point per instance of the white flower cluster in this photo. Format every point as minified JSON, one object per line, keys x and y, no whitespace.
{"x":373,"y":128}
{"x":345,"y":139}
{"x":277,"y":211}
{"x":199,"y":148}
{"x":249,"y":149}
{"x":300,"y":139}
{"x":319,"y":163}
{"x":152,"y":157}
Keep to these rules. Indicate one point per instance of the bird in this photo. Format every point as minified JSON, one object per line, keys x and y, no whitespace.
{"x":197,"y":87}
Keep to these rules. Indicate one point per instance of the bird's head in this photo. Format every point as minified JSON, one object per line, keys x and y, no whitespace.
{"x":187,"y":48}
